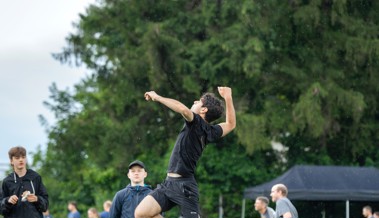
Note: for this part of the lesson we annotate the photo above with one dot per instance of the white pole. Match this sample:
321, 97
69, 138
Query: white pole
220, 209
243, 208
347, 209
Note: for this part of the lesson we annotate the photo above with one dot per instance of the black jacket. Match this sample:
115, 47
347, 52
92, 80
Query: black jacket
126, 200
14, 185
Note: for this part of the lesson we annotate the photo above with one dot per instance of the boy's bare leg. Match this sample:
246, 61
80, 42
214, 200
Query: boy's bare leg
148, 208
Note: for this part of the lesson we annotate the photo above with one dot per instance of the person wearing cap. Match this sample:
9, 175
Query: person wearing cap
126, 200
180, 187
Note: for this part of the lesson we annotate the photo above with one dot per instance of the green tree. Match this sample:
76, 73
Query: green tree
303, 74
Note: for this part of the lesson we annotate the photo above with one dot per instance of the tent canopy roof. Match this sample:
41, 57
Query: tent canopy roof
324, 183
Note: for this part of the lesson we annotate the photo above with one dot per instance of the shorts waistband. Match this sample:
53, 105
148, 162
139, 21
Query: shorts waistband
191, 178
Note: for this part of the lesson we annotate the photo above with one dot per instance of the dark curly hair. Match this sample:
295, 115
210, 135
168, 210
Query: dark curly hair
214, 105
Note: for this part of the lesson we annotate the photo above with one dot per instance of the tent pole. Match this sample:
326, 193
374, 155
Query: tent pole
347, 209
243, 208
220, 209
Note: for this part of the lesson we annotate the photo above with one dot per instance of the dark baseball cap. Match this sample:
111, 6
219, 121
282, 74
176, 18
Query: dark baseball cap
138, 163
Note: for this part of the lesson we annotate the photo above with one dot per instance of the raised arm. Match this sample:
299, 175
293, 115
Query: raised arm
173, 104
230, 121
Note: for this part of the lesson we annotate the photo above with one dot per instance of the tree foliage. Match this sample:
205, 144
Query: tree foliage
303, 73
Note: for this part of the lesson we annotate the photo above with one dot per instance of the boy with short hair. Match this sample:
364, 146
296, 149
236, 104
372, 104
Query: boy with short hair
23, 192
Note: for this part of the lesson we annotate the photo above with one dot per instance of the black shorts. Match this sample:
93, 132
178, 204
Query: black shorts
178, 191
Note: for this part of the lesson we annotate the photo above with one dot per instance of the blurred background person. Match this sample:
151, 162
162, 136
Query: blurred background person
92, 213
284, 207
261, 205
47, 214
107, 207
73, 208
367, 212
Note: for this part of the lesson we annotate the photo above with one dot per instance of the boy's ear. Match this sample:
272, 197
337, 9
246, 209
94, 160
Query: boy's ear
204, 110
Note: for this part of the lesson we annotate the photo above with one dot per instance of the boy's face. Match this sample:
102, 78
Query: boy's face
18, 162
137, 174
275, 194
197, 105
365, 212
258, 205
91, 214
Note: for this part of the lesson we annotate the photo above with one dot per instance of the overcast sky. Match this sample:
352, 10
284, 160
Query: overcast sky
30, 31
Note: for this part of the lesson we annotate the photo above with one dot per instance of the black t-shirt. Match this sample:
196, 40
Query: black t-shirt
190, 144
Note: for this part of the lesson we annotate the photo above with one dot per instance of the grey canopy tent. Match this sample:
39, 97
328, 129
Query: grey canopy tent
324, 183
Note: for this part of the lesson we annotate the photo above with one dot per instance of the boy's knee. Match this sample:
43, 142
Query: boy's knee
141, 213
138, 213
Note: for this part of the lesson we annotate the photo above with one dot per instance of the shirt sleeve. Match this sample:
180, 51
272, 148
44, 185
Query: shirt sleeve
281, 208
4, 196
215, 133
212, 132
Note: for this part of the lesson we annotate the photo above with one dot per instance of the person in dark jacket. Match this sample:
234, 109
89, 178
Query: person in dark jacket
126, 200
23, 193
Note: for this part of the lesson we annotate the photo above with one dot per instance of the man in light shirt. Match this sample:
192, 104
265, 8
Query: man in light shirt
284, 207
367, 212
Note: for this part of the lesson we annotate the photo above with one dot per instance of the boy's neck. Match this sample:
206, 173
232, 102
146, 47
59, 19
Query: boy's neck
135, 184
263, 211
20, 172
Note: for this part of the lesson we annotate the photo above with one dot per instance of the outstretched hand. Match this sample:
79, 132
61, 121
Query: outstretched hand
225, 92
151, 96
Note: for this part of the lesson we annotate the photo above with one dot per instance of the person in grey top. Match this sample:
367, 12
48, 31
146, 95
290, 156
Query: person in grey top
367, 212
284, 207
261, 205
